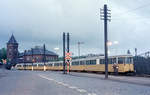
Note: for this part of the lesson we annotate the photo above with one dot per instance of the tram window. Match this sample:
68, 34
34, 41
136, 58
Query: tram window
41, 65
128, 60
92, 62
75, 63
81, 62
110, 61
18, 65
34, 64
29, 65
113, 60
49, 64
102, 61
88, 62
121, 60
61, 64
56, 64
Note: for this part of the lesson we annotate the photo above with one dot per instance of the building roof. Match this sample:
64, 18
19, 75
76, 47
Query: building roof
12, 40
40, 51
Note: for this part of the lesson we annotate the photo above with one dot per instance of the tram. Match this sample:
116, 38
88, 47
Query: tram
119, 63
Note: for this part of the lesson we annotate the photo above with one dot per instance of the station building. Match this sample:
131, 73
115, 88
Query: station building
35, 54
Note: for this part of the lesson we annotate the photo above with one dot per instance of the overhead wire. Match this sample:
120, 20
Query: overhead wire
129, 11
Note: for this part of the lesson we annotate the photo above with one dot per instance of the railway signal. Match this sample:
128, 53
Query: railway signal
66, 56
105, 15
68, 60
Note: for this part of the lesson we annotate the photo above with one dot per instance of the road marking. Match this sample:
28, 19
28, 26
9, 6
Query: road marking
81, 90
92, 94
73, 87
60, 83
45, 77
67, 85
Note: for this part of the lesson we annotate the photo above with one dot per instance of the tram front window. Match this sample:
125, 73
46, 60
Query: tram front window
121, 60
129, 60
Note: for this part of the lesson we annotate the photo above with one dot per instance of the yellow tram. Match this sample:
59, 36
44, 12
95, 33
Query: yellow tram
123, 63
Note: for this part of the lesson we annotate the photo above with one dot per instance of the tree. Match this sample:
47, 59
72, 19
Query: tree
3, 54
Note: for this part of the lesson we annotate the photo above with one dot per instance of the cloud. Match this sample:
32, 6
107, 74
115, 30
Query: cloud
35, 22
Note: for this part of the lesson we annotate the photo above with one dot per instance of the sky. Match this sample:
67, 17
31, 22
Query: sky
35, 22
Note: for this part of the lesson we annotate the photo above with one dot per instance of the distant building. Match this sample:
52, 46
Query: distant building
12, 50
27, 56
36, 54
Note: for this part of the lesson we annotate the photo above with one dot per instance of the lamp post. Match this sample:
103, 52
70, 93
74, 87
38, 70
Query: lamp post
44, 58
64, 51
32, 57
57, 51
110, 43
116, 43
24, 59
79, 43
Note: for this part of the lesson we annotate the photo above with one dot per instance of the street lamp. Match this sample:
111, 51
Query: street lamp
56, 49
116, 42
32, 57
79, 43
44, 50
110, 43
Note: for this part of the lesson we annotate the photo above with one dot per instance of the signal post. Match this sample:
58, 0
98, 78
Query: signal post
68, 61
66, 55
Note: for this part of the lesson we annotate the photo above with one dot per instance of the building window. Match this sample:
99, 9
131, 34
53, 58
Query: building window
10, 54
28, 58
10, 50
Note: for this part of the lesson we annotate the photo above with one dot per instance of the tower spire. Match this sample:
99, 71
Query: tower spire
12, 40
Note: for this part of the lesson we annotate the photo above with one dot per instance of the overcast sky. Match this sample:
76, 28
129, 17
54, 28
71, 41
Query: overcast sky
35, 22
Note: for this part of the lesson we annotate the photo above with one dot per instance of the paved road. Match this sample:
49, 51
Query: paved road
55, 83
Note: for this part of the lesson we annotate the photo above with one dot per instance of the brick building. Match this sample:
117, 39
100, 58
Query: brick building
12, 50
36, 54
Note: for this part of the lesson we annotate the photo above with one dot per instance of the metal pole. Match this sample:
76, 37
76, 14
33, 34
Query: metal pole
32, 58
68, 62
79, 49
64, 53
135, 51
105, 41
24, 60
68, 40
44, 56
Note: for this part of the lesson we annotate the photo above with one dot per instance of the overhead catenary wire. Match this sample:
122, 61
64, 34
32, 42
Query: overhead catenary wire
129, 11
